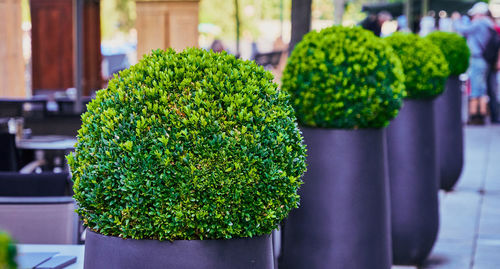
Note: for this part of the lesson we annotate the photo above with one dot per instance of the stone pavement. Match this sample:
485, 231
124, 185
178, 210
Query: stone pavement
469, 236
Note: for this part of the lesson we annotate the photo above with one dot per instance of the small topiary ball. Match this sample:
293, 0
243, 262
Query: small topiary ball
423, 62
455, 50
7, 252
190, 145
344, 77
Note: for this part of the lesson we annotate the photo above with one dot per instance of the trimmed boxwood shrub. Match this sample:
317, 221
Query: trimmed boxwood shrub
189, 145
425, 67
344, 77
454, 48
7, 251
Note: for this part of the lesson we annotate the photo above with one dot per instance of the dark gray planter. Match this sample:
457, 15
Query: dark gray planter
343, 219
449, 133
413, 175
113, 252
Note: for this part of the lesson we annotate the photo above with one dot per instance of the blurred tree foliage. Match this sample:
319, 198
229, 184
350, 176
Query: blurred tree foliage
116, 15
25, 9
322, 10
119, 15
352, 13
221, 13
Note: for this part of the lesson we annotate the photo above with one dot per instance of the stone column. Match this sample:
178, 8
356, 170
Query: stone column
166, 24
11, 51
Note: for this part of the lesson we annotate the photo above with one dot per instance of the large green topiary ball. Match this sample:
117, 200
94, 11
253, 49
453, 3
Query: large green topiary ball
425, 66
454, 48
344, 77
190, 145
7, 251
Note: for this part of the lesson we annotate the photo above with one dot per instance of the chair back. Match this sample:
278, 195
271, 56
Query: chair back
8, 152
14, 184
269, 58
11, 107
39, 220
67, 125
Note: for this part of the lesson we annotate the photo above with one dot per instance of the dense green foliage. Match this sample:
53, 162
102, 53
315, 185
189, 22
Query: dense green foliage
344, 77
425, 66
454, 48
190, 145
7, 252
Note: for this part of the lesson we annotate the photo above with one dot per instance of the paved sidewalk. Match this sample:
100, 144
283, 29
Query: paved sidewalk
469, 236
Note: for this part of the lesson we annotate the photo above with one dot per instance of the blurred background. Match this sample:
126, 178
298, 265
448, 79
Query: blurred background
113, 34
55, 55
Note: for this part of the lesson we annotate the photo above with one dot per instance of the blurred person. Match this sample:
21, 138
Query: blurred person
403, 24
217, 46
428, 23
374, 22
477, 34
279, 45
445, 23
255, 50
416, 24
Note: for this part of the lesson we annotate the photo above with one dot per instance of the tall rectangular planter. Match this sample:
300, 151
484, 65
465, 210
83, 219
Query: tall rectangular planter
343, 219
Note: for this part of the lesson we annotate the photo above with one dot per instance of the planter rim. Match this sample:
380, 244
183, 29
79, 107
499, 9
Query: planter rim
112, 252
341, 129
422, 99
173, 241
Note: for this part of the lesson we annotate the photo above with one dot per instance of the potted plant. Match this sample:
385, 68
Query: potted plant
346, 84
7, 251
413, 170
186, 160
448, 108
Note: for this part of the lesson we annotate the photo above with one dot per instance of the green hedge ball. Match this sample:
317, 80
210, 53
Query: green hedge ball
189, 145
424, 65
455, 50
344, 77
8, 251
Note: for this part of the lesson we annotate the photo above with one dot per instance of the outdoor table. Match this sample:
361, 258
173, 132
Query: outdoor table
58, 146
62, 250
